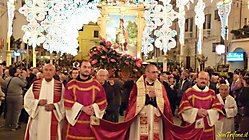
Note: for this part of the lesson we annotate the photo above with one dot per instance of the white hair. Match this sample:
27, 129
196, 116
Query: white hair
102, 71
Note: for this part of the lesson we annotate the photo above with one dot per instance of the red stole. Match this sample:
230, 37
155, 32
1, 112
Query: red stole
57, 97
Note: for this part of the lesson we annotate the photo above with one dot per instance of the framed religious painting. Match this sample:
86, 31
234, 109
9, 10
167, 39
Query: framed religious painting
123, 25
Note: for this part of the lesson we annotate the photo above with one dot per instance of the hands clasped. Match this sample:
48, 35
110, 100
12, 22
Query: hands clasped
202, 113
48, 107
152, 94
88, 110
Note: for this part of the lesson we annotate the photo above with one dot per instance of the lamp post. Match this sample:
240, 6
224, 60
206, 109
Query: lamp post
224, 8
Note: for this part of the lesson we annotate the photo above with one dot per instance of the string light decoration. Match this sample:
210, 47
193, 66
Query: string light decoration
162, 16
224, 8
55, 23
147, 40
199, 20
11, 12
35, 12
181, 17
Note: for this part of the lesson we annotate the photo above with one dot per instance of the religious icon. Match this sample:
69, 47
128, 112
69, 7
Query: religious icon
123, 30
122, 36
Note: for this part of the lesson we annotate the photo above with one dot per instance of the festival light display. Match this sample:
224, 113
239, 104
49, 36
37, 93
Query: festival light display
199, 20
224, 8
162, 16
147, 40
55, 23
181, 17
11, 12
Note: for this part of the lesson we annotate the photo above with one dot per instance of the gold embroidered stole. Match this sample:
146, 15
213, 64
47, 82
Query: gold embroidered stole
144, 111
141, 95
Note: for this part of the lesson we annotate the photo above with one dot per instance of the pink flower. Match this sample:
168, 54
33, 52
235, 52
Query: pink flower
116, 46
126, 62
93, 53
94, 61
138, 64
113, 60
110, 50
102, 39
108, 44
104, 49
103, 56
98, 48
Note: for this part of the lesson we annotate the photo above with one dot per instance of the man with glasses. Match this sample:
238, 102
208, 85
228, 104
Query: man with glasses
84, 97
147, 97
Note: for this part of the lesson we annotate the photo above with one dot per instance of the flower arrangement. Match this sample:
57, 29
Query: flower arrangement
105, 56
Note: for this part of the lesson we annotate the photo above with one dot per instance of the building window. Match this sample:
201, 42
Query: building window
96, 34
191, 24
216, 15
207, 23
186, 25
245, 21
23, 2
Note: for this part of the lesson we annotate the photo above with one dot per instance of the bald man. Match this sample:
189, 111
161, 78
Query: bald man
201, 106
148, 98
44, 104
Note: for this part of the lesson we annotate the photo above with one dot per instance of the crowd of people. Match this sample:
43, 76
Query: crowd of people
216, 102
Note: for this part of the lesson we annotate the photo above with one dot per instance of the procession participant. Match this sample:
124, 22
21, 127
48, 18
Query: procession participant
84, 97
44, 104
201, 106
230, 110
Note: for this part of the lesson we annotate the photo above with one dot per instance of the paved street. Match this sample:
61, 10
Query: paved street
19, 134
11, 135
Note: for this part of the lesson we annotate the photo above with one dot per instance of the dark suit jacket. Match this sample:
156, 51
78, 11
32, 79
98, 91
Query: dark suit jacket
172, 96
109, 90
182, 88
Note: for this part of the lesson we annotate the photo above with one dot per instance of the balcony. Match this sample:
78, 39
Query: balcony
207, 33
189, 35
241, 33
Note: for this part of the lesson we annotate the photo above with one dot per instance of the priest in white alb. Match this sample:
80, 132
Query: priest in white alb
44, 104
226, 125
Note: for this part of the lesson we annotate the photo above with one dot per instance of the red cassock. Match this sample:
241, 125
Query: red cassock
104, 130
195, 99
83, 94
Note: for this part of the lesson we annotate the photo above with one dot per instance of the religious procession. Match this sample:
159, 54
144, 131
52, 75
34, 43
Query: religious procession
124, 70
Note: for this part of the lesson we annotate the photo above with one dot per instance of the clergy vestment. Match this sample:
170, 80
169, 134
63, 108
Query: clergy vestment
145, 119
42, 124
148, 123
79, 93
227, 123
193, 100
